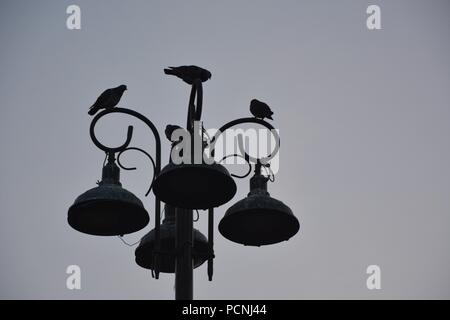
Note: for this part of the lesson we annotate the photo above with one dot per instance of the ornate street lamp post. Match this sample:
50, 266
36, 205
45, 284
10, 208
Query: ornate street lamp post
175, 246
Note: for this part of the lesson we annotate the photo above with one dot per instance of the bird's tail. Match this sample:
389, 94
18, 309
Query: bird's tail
169, 71
93, 110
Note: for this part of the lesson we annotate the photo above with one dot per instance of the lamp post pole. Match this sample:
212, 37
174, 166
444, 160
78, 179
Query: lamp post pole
184, 266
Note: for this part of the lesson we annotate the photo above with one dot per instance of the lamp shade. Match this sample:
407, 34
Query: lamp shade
194, 186
144, 253
108, 209
258, 219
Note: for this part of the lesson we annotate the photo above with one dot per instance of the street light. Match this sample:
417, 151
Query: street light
213, 185
258, 219
175, 246
108, 209
145, 251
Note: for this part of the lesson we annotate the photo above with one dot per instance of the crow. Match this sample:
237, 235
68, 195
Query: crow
170, 128
108, 99
260, 110
189, 73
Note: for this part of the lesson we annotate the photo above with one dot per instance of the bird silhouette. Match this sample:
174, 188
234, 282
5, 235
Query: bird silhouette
170, 128
108, 99
189, 73
260, 109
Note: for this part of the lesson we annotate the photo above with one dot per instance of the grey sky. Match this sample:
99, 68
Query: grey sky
364, 120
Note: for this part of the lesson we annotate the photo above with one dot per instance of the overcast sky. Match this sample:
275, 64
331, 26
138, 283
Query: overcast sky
364, 119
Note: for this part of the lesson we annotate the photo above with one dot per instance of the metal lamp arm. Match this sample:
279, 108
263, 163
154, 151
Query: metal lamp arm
134, 168
195, 104
246, 156
123, 147
129, 134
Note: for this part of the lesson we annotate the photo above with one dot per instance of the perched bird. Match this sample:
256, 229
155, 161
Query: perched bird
170, 128
189, 73
108, 99
260, 109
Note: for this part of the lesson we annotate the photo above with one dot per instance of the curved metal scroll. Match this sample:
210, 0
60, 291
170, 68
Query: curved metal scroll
195, 104
246, 160
129, 134
134, 168
123, 147
264, 160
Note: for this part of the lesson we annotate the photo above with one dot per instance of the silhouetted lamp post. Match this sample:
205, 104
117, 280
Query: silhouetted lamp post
175, 246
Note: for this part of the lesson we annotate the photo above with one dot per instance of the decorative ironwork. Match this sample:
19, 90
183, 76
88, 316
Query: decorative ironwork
178, 222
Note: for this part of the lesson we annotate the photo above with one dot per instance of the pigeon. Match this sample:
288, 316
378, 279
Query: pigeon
260, 109
189, 73
108, 99
170, 128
